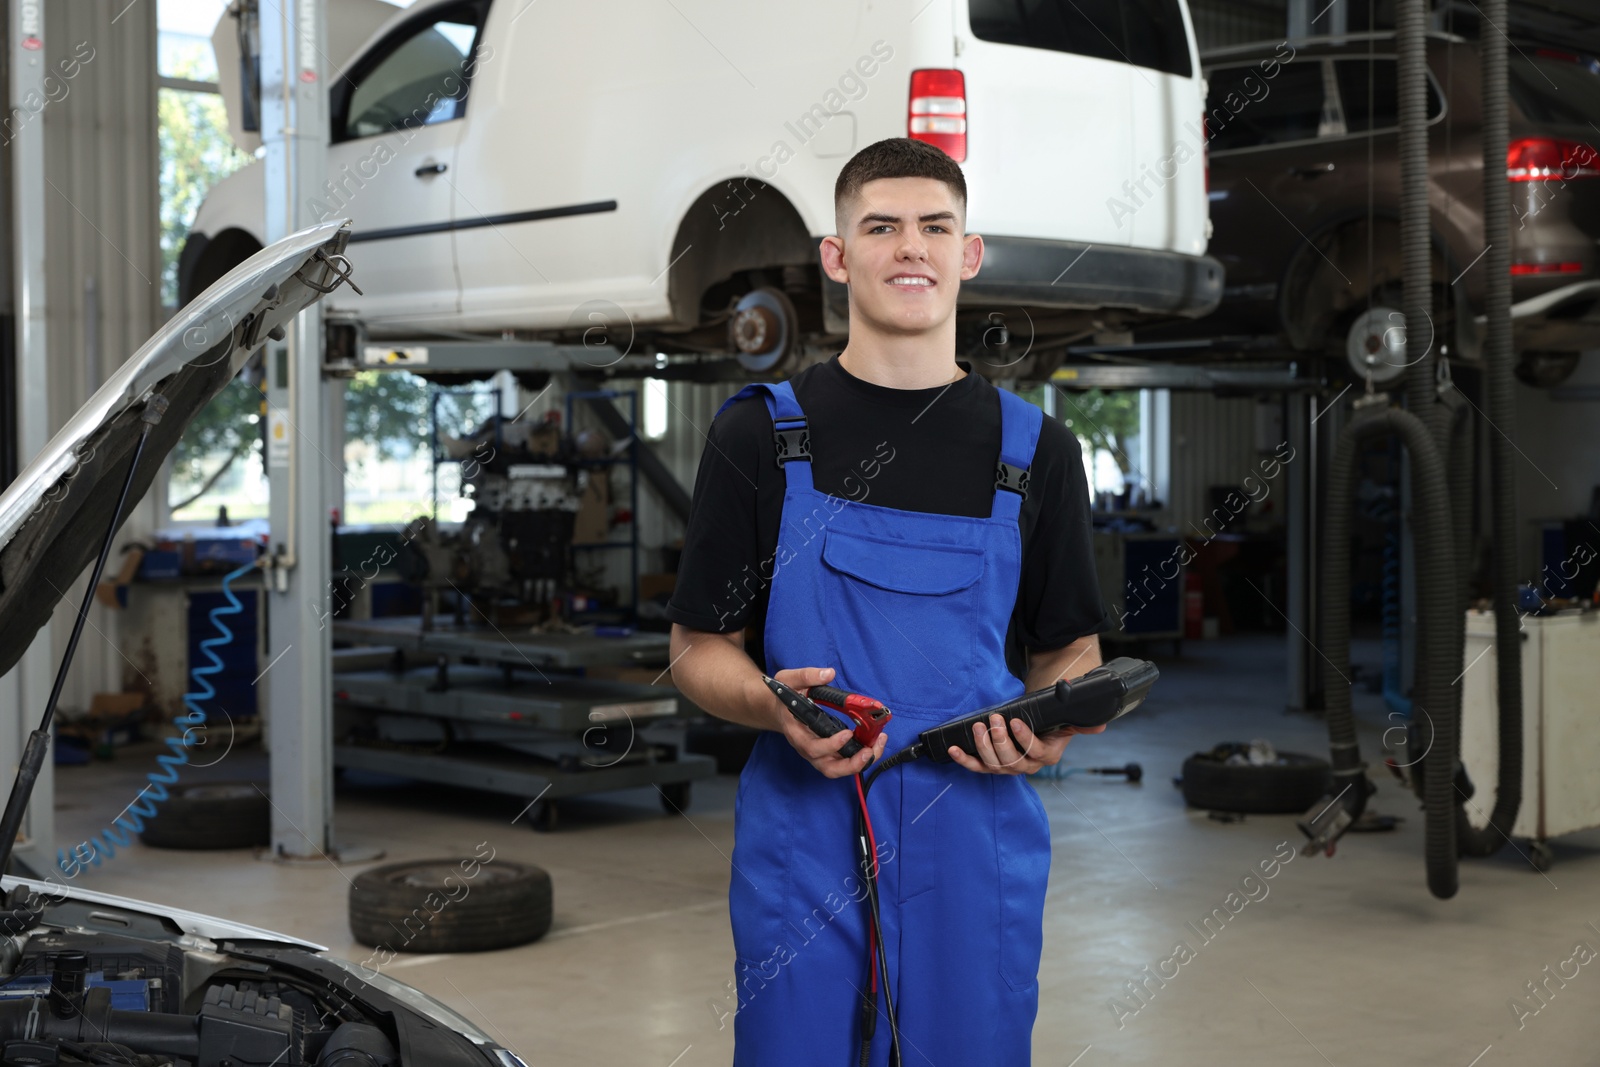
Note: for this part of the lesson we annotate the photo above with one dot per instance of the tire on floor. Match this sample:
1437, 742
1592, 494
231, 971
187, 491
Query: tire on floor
438, 906
210, 815
1289, 786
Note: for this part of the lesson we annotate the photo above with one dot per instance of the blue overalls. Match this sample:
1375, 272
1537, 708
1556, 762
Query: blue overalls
911, 608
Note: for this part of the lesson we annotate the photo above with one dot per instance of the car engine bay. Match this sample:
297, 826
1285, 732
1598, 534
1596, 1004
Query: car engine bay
82, 982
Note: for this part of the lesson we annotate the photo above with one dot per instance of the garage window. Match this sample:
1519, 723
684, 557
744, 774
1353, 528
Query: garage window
1123, 435
1246, 110
196, 151
1377, 107
1306, 99
417, 78
215, 462
1555, 87
1146, 33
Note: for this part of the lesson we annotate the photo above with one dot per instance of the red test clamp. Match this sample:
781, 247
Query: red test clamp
867, 715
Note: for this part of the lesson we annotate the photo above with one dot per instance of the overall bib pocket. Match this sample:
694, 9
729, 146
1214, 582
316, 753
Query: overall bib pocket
908, 614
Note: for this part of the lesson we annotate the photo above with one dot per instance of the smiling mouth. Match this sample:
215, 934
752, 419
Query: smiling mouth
908, 281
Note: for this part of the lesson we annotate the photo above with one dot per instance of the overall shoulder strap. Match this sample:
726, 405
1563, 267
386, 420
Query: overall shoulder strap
1019, 440
791, 437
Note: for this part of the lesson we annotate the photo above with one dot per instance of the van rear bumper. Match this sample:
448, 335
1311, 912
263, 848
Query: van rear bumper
1073, 275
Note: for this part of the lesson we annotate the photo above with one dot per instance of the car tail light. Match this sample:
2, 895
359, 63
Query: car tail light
1547, 159
938, 111
1567, 267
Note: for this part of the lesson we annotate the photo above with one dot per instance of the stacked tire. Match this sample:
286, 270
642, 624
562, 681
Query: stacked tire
210, 815
1289, 785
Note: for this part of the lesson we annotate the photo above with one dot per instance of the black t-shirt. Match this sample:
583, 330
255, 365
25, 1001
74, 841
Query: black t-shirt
929, 450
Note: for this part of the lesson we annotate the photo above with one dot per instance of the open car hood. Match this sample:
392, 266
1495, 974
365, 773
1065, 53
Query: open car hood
188, 922
53, 518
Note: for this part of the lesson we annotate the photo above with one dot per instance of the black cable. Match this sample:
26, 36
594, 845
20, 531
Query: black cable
869, 998
905, 755
870, 870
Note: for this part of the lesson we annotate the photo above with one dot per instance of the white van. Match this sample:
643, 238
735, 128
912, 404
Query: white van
512, 165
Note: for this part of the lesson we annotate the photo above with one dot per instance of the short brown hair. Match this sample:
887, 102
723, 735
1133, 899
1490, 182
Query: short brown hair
898, 157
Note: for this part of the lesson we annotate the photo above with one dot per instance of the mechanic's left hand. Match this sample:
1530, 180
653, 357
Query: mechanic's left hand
999, 754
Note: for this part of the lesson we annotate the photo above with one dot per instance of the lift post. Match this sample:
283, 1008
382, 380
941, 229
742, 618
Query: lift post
302, 463
25, 688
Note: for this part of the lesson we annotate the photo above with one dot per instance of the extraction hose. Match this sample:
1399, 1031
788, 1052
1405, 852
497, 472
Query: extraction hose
1502, 414
1437, 699
1440, 730
1460, 463
1415, 225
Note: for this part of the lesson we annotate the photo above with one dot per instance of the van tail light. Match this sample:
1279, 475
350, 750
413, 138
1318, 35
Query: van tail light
1548, 159
938, 112
1564, 267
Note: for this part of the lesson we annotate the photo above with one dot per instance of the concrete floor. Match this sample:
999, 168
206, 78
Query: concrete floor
1346, 960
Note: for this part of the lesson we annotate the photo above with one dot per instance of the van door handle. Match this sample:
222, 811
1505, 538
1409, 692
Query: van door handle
431, 168
1315, 170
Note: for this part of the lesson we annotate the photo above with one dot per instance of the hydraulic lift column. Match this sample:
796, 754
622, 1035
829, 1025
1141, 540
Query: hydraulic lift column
25, 689
301, 463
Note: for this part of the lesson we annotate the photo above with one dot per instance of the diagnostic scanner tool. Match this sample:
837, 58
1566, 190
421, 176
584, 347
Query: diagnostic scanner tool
866, 716
1105, 693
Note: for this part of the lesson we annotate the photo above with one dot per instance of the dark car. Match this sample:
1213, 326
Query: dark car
1305, 179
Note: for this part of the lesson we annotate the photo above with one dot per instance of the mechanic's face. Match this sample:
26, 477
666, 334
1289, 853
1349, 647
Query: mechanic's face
902, 250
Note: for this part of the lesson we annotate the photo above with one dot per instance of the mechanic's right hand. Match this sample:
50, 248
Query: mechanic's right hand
821, 752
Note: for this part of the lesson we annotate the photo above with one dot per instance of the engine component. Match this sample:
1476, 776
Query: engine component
140, 976
66, 982
240, 1028
232, 1029
358, 1045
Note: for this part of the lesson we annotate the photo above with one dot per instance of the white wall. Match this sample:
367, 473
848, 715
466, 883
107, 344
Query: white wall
1558, 456
1213, 442
103, 252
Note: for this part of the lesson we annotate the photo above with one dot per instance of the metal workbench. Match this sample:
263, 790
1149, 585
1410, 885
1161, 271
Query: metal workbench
510, 721
513, 646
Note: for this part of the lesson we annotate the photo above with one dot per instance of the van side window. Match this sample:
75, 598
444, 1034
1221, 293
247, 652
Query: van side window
417, 78
1146, 33
1383, 99
1244, 109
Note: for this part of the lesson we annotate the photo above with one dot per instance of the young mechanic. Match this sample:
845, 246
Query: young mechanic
885, 556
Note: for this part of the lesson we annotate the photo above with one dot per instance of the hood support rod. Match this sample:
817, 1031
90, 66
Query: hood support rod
38, 747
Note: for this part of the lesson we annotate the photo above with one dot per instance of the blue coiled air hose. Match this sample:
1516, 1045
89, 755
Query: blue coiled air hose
120, 833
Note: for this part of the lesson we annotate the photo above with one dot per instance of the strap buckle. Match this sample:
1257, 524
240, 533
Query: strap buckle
1013, 478
793, 442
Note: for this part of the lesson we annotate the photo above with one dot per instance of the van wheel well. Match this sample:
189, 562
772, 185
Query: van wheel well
1328, 285
741, 226
204, 260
